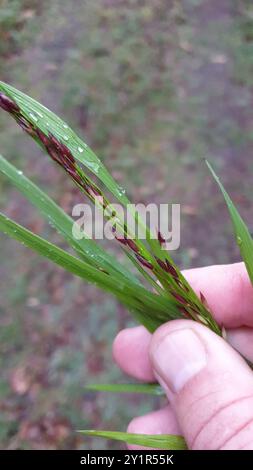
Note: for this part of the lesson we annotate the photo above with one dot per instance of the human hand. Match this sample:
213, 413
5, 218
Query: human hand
208, 384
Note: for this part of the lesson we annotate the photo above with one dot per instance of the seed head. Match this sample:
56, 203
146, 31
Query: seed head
161, 239
43, 137
121, 239
171, 269
66, 152
25, 125
94, 192
182, 285
162, 264
54, 154
8, 104
62, 148
75, 176
179, 298
66, 163
132, 245
184, 312
54, 142
144, 262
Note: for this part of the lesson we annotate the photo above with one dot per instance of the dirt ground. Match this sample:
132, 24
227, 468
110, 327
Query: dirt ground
154, 87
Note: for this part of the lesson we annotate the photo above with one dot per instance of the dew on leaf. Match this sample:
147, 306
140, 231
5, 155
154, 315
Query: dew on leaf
20, 172
39, 114
80, 149
238, 240
65, 137
33, 117
122, 191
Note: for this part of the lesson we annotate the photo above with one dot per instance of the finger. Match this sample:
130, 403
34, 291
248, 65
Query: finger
130, 352
209, 385
230, 296
157, 422
242, 340
228, 291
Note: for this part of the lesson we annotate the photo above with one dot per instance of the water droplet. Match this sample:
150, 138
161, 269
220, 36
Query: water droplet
65, 137
39, 114
20, 172
33, 117
47, 123
80, 149
122, 191
238, 240
65, 126
85, 145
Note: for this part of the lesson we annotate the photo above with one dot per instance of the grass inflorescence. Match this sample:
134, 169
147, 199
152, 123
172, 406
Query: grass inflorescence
168, 294
150, 256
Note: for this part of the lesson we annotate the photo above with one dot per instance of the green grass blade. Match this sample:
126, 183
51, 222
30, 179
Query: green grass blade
54, 253
45, 127
147, 389
161, 441
152, 281
47, 121
88, 249
149, 309
242, 234
42, 119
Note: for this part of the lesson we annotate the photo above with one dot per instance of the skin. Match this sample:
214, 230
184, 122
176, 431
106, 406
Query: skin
208, 384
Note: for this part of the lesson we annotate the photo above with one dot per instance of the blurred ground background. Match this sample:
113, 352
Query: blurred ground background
153, 86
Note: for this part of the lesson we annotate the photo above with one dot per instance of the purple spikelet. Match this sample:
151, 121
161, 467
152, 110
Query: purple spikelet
25, 125
121, 240
74, 175
167, 267
183, 286
56, 149
60, 147
8, 104
94, 192
43, 137
132, 245
171, 269
54, 142
179, 298
144, 262
161, 239
184, 312
162, 264
54, 155
60, 154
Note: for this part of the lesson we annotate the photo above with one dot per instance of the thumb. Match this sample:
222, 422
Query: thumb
209, 385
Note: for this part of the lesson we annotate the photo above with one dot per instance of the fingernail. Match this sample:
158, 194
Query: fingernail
178, 357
